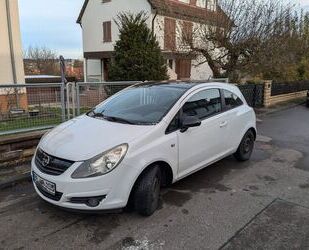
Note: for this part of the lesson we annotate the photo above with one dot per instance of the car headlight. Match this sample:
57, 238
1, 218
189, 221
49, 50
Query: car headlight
101, 164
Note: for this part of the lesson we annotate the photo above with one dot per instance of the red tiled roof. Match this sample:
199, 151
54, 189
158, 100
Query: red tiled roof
173, 8
185, 11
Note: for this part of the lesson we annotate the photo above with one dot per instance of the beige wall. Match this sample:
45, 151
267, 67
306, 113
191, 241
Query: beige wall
6, 71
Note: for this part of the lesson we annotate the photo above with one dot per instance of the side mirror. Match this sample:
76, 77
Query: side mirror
190, 122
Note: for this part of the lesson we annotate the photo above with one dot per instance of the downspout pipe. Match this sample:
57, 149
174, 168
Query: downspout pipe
12, 52
153, 21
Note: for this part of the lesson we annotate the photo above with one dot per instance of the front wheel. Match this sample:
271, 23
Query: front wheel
245, 148
147, 193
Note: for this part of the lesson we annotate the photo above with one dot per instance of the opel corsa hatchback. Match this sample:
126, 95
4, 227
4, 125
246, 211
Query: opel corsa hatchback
139, 140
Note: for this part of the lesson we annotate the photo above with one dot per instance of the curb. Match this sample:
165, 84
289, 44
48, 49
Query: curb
15, 180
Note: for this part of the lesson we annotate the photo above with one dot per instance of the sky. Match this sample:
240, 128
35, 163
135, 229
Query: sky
52, 24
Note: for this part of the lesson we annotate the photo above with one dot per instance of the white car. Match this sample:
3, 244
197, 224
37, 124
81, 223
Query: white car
143, 138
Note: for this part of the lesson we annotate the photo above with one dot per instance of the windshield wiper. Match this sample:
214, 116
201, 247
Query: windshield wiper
117, 119
93, 114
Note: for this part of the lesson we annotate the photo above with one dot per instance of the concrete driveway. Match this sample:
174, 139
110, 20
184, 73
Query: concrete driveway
261, 204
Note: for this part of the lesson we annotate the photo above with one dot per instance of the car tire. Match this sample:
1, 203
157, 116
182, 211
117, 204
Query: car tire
147, 192
245, 148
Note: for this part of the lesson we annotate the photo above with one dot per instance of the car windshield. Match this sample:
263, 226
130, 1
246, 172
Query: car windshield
140, 105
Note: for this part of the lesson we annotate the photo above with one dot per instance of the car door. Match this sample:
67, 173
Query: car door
235, 116
200, 146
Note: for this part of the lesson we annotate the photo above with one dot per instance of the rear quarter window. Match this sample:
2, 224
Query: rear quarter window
231, 100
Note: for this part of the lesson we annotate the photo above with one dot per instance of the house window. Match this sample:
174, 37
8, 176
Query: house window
169, 34
170, 63
211, 5
107, 31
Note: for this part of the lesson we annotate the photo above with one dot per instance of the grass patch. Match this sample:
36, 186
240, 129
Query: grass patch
47, 116
28, 122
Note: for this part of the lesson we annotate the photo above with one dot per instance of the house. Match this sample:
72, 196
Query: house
169, 20
11, 59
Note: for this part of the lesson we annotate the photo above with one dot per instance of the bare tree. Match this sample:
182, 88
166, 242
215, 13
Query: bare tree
233, 36
285, 55
41, 60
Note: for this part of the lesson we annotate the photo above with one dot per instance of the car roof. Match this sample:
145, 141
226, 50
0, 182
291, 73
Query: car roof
187, 85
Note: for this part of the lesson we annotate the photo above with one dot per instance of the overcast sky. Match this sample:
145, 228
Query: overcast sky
53, 24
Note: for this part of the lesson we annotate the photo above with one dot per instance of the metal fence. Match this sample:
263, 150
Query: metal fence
25, 107
28, 107
289, 87
254, 94
90, 94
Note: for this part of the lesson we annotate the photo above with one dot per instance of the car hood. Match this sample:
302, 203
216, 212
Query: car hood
84, 137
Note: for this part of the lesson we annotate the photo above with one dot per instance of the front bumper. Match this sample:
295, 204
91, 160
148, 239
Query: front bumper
114, 194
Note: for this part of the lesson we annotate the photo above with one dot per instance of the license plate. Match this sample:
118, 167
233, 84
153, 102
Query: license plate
46, 185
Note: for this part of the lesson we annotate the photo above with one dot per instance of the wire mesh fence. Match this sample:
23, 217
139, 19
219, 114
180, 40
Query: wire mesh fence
90, 94
253, 93
29, 107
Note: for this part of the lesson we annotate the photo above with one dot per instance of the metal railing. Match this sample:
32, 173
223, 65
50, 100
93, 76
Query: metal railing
289, 87
90, 94
253, 93
26, 107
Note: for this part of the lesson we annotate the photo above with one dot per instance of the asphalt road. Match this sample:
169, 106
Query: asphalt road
261, 204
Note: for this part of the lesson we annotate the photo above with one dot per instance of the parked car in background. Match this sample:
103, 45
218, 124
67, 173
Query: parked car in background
143, 138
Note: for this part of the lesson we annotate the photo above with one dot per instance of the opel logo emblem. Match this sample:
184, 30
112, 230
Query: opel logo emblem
45, 160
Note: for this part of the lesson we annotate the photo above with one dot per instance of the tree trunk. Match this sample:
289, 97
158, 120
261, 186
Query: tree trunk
212, 64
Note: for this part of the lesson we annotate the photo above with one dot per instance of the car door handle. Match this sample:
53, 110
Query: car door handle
223, 124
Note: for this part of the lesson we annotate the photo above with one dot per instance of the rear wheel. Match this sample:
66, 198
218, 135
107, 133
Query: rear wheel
147, 192
245, 148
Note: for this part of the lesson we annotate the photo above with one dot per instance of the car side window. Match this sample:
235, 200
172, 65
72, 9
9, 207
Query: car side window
231, 100
204, 104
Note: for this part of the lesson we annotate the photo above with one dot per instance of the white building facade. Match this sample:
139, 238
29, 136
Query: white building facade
167, 18
11, 58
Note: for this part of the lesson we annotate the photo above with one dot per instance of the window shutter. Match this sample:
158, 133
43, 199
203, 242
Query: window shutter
193, 2
169, 34
107, 31
187, 30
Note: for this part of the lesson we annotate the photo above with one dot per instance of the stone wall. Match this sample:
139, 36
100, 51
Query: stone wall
270, 100
19, 148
